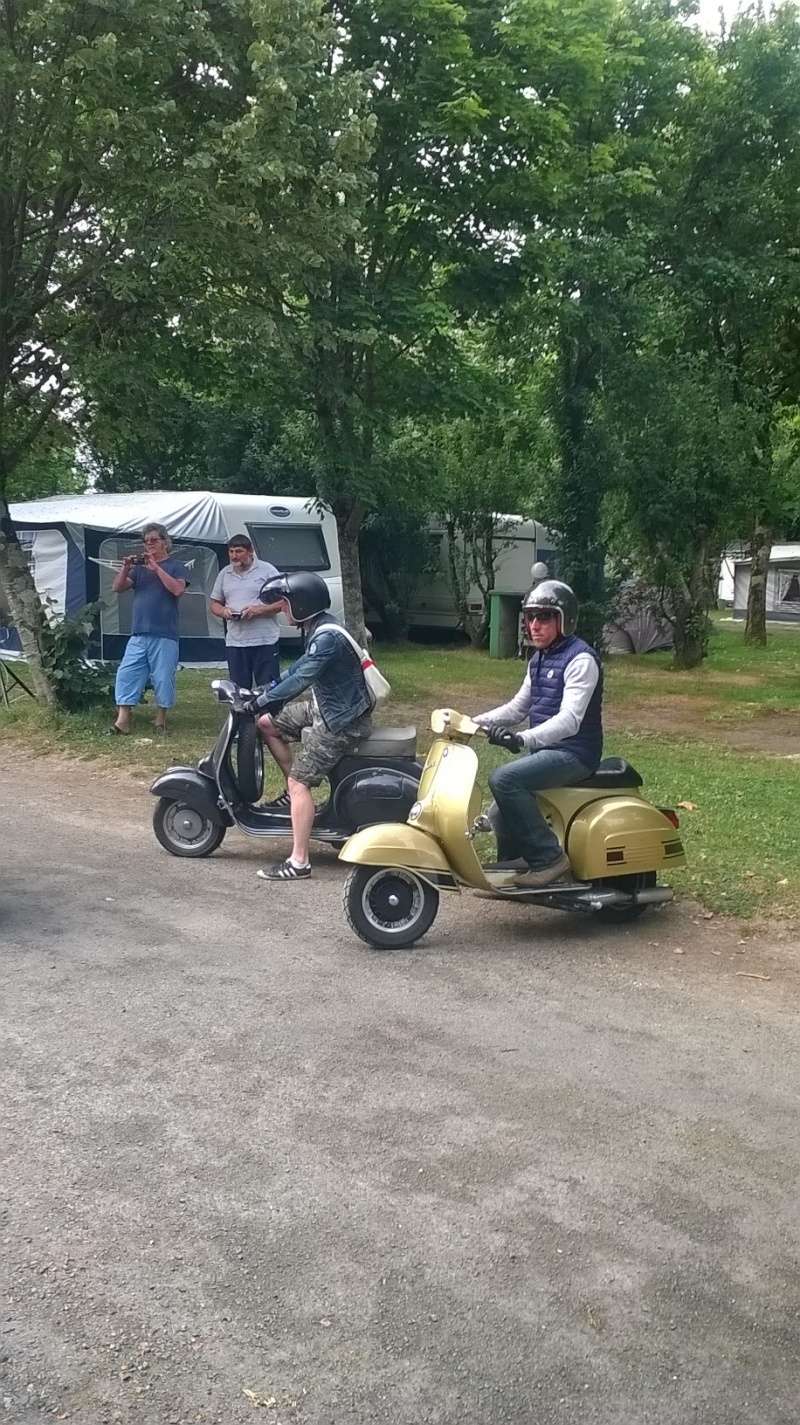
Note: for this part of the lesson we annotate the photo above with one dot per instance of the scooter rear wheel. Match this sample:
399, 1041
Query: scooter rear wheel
183, 831
388, 906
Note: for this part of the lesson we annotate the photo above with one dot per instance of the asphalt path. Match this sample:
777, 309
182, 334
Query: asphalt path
534, 1170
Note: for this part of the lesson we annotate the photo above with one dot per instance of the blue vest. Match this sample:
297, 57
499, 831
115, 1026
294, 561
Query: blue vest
546, 670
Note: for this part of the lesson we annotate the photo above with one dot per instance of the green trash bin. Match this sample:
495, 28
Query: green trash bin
504, 624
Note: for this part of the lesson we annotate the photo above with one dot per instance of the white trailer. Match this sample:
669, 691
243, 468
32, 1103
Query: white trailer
520, 542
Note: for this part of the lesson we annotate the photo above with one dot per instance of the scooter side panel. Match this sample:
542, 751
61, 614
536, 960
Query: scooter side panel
395, 844
622, 836
186, 784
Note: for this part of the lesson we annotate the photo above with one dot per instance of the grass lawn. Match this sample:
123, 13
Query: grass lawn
741, 833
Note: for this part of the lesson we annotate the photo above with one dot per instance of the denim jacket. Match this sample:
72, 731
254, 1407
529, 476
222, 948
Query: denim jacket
330, 667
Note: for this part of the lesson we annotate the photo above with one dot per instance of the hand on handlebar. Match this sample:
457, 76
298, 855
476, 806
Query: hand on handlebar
505, 737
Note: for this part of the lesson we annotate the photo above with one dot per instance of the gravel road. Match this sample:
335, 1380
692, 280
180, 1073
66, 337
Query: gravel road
533, 1171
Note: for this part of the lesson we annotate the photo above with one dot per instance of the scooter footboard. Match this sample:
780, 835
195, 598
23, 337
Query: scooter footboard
187, 785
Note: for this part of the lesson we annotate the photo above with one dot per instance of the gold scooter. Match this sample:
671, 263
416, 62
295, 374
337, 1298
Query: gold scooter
616, 843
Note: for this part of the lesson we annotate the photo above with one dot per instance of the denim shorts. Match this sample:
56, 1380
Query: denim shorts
147, 659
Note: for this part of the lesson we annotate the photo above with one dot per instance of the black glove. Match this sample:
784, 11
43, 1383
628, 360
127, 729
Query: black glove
506, 737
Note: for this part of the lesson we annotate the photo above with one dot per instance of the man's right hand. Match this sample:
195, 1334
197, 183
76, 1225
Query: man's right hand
506, 737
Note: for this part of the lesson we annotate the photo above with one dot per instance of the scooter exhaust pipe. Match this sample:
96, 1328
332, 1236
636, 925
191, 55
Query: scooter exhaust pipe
599, 900
654, 895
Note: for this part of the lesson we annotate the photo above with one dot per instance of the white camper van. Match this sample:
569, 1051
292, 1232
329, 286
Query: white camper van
74, 542
521, 543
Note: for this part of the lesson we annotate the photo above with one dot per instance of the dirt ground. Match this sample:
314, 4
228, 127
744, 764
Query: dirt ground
536, 1171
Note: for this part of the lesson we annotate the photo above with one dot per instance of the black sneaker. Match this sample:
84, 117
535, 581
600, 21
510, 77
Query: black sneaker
285, 871
282, 803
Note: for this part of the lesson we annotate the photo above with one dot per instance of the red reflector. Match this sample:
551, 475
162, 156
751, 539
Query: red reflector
672, 816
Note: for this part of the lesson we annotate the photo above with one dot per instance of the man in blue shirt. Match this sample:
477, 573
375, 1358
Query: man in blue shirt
152, 650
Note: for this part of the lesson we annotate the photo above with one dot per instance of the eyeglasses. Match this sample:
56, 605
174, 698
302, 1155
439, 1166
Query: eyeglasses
152, 539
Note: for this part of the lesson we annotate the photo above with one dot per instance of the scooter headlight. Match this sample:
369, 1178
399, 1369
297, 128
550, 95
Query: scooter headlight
415, 812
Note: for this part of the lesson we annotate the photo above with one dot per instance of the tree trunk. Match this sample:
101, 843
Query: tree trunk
755, 629
690, 641
581, 483
349, 518
16, 582
688, 597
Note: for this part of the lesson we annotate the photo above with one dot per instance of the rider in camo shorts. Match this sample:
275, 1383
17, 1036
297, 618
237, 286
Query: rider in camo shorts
327, 724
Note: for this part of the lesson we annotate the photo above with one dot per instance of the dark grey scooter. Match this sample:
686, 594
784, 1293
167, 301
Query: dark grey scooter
375, 783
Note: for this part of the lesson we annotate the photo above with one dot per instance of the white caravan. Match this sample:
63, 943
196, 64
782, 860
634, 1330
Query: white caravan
74, 541
520, 542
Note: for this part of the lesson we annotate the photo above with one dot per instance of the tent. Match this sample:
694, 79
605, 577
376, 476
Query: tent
783, 584
75, 542
639, 626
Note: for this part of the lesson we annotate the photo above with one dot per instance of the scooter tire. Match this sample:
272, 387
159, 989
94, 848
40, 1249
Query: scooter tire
201, 837
368, 895
249, 763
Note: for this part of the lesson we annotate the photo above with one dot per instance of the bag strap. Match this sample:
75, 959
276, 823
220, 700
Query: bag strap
337, 628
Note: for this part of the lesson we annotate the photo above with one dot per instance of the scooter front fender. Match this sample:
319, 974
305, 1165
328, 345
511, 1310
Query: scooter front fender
186, 784
396, 844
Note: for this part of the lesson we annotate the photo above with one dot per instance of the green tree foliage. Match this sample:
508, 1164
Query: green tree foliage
133, 135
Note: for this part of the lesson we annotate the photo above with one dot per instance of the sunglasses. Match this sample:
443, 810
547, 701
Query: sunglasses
541, 615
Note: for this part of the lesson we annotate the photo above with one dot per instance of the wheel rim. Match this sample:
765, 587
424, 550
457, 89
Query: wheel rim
392, 900
186, 827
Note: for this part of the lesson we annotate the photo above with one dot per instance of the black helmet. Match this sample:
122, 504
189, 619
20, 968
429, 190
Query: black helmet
552, 594
306, 594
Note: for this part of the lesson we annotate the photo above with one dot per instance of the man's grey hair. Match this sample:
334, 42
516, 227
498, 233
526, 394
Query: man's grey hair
158, 529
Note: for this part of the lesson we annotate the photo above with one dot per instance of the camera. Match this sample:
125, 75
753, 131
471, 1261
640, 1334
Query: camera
137, 558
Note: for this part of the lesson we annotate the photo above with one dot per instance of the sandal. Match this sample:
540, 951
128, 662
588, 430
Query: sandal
285, 871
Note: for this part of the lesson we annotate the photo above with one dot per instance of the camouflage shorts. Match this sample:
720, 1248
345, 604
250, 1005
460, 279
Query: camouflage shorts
320, 749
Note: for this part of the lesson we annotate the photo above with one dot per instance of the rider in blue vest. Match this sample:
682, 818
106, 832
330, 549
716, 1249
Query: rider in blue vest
560, 699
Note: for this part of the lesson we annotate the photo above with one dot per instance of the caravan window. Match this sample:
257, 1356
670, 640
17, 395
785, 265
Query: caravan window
291, 547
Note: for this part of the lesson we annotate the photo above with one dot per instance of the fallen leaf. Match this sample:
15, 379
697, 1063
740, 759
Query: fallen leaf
708, 915
268, 1401
784, 882
746, 975
688, 806
678, 952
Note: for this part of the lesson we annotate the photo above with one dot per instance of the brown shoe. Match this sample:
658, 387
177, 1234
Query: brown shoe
541, 876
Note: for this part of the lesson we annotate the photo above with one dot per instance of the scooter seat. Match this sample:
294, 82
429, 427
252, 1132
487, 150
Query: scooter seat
613, 772
388, 742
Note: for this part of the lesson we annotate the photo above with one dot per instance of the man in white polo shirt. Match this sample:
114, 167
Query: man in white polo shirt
251, 638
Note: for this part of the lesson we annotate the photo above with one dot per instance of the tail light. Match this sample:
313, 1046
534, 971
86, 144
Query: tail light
672, 816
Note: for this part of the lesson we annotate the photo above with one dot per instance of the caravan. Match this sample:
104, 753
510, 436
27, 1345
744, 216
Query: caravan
521, 543
75, 544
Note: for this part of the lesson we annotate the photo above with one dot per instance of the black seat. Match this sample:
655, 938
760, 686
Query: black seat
613, 772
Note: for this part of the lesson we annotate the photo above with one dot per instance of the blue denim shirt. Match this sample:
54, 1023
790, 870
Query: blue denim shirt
331, 668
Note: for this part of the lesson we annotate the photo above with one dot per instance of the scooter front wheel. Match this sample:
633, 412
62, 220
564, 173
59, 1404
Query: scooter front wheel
388, 906
183, 831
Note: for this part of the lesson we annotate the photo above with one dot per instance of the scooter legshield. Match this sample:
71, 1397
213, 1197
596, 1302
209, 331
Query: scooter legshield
395, 844
185, 784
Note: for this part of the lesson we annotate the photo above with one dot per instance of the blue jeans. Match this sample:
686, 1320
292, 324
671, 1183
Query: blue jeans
522, 830
147, 657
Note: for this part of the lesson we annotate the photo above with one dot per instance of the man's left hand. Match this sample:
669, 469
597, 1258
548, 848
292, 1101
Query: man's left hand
506, 737
252, 611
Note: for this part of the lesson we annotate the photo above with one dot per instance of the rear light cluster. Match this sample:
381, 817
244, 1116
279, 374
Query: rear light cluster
672, 816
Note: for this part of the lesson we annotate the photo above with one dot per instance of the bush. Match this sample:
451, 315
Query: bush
78, 683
